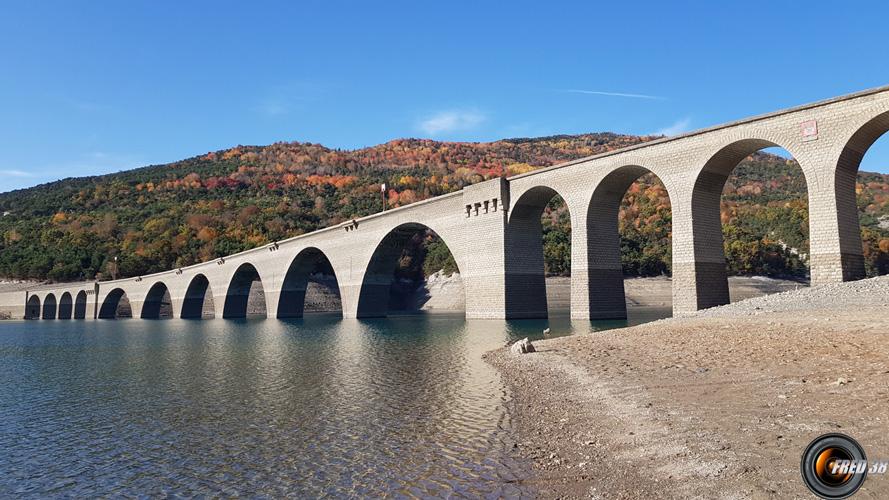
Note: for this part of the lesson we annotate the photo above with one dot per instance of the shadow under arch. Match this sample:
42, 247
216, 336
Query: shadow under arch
196, 299
66, 306
116, 305
158, 303
309, 264
525, 284
374, 297
845, 183
80, 305
49, 307
607, 297
709, 265
237, 297
32, 307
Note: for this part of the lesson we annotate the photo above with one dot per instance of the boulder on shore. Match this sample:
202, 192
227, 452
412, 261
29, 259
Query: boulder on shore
523, 346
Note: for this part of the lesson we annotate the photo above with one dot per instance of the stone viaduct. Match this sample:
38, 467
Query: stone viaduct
493, 230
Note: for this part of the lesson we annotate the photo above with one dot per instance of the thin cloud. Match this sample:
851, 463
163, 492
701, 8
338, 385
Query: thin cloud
445, 122
615, 94
284, 99
16, 173
272, 108
680, 127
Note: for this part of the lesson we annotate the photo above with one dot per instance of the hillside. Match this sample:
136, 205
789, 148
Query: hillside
165, 216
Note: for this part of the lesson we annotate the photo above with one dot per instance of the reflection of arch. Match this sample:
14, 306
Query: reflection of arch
49, 307
711, 277
845, 178
80, 305
157, 302
197, 295
293, 290
32, 308
238, 295
65, 306
116, 305
525, 273
606, 280
373, 300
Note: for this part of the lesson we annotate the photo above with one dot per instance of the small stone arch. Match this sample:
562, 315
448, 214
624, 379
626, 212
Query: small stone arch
607, 299
307, 263
49, 307
374, 296
80, 305
158, 303
237, 299
32, 307
525, 272
116, 305
66, 306
198, 301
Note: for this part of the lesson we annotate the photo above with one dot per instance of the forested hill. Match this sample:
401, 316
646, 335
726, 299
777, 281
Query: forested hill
159, 217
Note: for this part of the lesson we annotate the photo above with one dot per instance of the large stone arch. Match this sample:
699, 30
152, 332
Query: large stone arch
607, 299
711, 277
238, 294
157, 302
32, 307
80, 305
197, 293
66, 306
850, 261
291, 302
116, 305
525, 280
373, 298
855, 147
49, 307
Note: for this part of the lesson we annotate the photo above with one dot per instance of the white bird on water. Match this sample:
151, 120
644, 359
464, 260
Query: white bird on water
546, 332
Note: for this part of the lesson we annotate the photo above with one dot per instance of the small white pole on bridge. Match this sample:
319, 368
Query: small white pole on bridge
383, 194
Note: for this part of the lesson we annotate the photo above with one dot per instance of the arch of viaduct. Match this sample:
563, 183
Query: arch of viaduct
493, 230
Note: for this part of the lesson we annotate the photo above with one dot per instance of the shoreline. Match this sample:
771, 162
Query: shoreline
718, 405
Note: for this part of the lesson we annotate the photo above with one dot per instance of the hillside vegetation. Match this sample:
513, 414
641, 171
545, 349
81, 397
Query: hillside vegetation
173, 215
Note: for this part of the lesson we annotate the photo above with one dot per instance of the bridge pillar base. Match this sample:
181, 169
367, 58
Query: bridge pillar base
836, 268
605, 297
699, 285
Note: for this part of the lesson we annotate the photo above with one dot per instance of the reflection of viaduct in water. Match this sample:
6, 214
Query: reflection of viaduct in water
493, 229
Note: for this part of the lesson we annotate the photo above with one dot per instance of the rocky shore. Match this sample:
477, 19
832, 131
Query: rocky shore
718, 405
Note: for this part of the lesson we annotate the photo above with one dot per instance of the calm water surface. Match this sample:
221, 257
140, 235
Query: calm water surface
399, 406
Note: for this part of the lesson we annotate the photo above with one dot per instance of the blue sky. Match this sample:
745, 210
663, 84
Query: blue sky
95, 87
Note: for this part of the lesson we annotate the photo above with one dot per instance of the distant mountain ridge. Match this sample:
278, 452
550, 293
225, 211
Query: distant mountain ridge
163, 216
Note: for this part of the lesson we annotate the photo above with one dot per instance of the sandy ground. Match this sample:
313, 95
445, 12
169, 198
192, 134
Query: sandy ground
720, 405
17, 285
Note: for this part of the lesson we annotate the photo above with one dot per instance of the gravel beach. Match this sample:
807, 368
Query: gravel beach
717, 405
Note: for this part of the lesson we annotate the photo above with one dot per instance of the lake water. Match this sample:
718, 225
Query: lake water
397, 406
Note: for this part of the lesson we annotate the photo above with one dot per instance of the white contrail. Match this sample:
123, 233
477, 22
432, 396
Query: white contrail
614, 94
